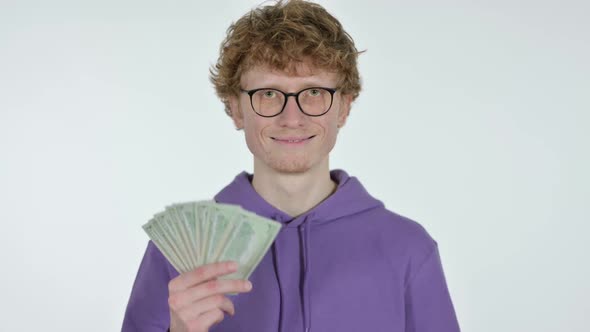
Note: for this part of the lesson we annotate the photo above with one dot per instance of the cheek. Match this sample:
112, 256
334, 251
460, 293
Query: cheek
330, 126
253, 132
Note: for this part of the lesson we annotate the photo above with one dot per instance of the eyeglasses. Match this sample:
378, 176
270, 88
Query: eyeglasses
314, 101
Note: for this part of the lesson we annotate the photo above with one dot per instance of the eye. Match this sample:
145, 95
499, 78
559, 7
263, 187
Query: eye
269, 94
314, 92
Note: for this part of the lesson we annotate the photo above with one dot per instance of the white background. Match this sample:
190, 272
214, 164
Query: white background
474, 121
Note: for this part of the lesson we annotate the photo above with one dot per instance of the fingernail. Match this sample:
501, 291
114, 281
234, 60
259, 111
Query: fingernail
248, 285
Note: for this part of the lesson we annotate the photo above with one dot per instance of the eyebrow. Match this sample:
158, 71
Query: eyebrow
302, 87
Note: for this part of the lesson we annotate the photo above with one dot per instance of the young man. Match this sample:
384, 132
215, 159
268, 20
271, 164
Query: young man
287, 74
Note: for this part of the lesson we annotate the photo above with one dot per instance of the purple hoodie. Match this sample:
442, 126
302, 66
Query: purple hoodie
348, 264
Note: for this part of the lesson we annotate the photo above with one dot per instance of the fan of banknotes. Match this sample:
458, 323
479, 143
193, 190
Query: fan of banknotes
195, 233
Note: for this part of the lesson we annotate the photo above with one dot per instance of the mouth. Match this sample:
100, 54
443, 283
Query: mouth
292, 140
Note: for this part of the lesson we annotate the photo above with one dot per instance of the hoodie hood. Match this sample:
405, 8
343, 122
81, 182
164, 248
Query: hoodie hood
349, 198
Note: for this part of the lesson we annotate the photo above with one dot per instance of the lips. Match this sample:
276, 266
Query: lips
292, 139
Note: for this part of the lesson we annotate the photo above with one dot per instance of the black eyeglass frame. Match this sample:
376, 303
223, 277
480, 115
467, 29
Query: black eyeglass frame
332, 91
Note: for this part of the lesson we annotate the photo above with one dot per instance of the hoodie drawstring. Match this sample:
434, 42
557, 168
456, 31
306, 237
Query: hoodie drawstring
276, 266
303, 228
304, 239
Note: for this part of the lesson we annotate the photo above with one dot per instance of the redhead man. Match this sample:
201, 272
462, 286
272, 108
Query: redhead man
287, 75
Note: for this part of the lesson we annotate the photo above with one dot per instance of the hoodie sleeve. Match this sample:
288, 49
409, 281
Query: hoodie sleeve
428, 303
147, 309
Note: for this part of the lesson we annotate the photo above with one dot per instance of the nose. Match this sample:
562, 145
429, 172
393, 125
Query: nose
291, 115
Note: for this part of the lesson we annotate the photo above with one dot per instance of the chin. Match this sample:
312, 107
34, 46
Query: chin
290, 166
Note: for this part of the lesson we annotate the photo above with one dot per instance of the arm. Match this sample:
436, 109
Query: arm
428, 303
147, 309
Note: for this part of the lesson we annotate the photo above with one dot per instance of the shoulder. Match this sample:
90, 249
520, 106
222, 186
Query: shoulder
406, 242
399, 228
156, 263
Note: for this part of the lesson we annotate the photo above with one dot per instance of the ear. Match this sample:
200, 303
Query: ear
345, 104
235, 112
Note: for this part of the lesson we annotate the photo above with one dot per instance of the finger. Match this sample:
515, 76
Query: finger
200, 275
197, 309
184, 298
220, 286
206, 320
228, 306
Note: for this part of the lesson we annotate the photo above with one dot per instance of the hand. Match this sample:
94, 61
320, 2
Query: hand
196, 297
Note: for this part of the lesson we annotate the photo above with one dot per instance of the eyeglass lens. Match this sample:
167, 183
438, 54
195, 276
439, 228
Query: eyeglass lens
313, 101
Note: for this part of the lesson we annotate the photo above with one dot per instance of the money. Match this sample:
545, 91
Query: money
191, 234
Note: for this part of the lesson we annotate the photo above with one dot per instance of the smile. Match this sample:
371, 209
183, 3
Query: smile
293, 140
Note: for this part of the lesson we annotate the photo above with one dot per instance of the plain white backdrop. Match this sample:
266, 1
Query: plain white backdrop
474, 120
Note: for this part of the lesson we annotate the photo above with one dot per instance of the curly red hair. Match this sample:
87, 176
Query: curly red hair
280, 36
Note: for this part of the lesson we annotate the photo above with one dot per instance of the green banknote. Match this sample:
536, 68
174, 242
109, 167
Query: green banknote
191, 234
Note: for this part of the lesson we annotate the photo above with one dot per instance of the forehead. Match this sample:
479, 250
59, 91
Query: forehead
299, 76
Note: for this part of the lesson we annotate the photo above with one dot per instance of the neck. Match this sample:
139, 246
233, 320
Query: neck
293, 193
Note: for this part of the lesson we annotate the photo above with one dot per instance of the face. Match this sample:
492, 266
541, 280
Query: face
290, 142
